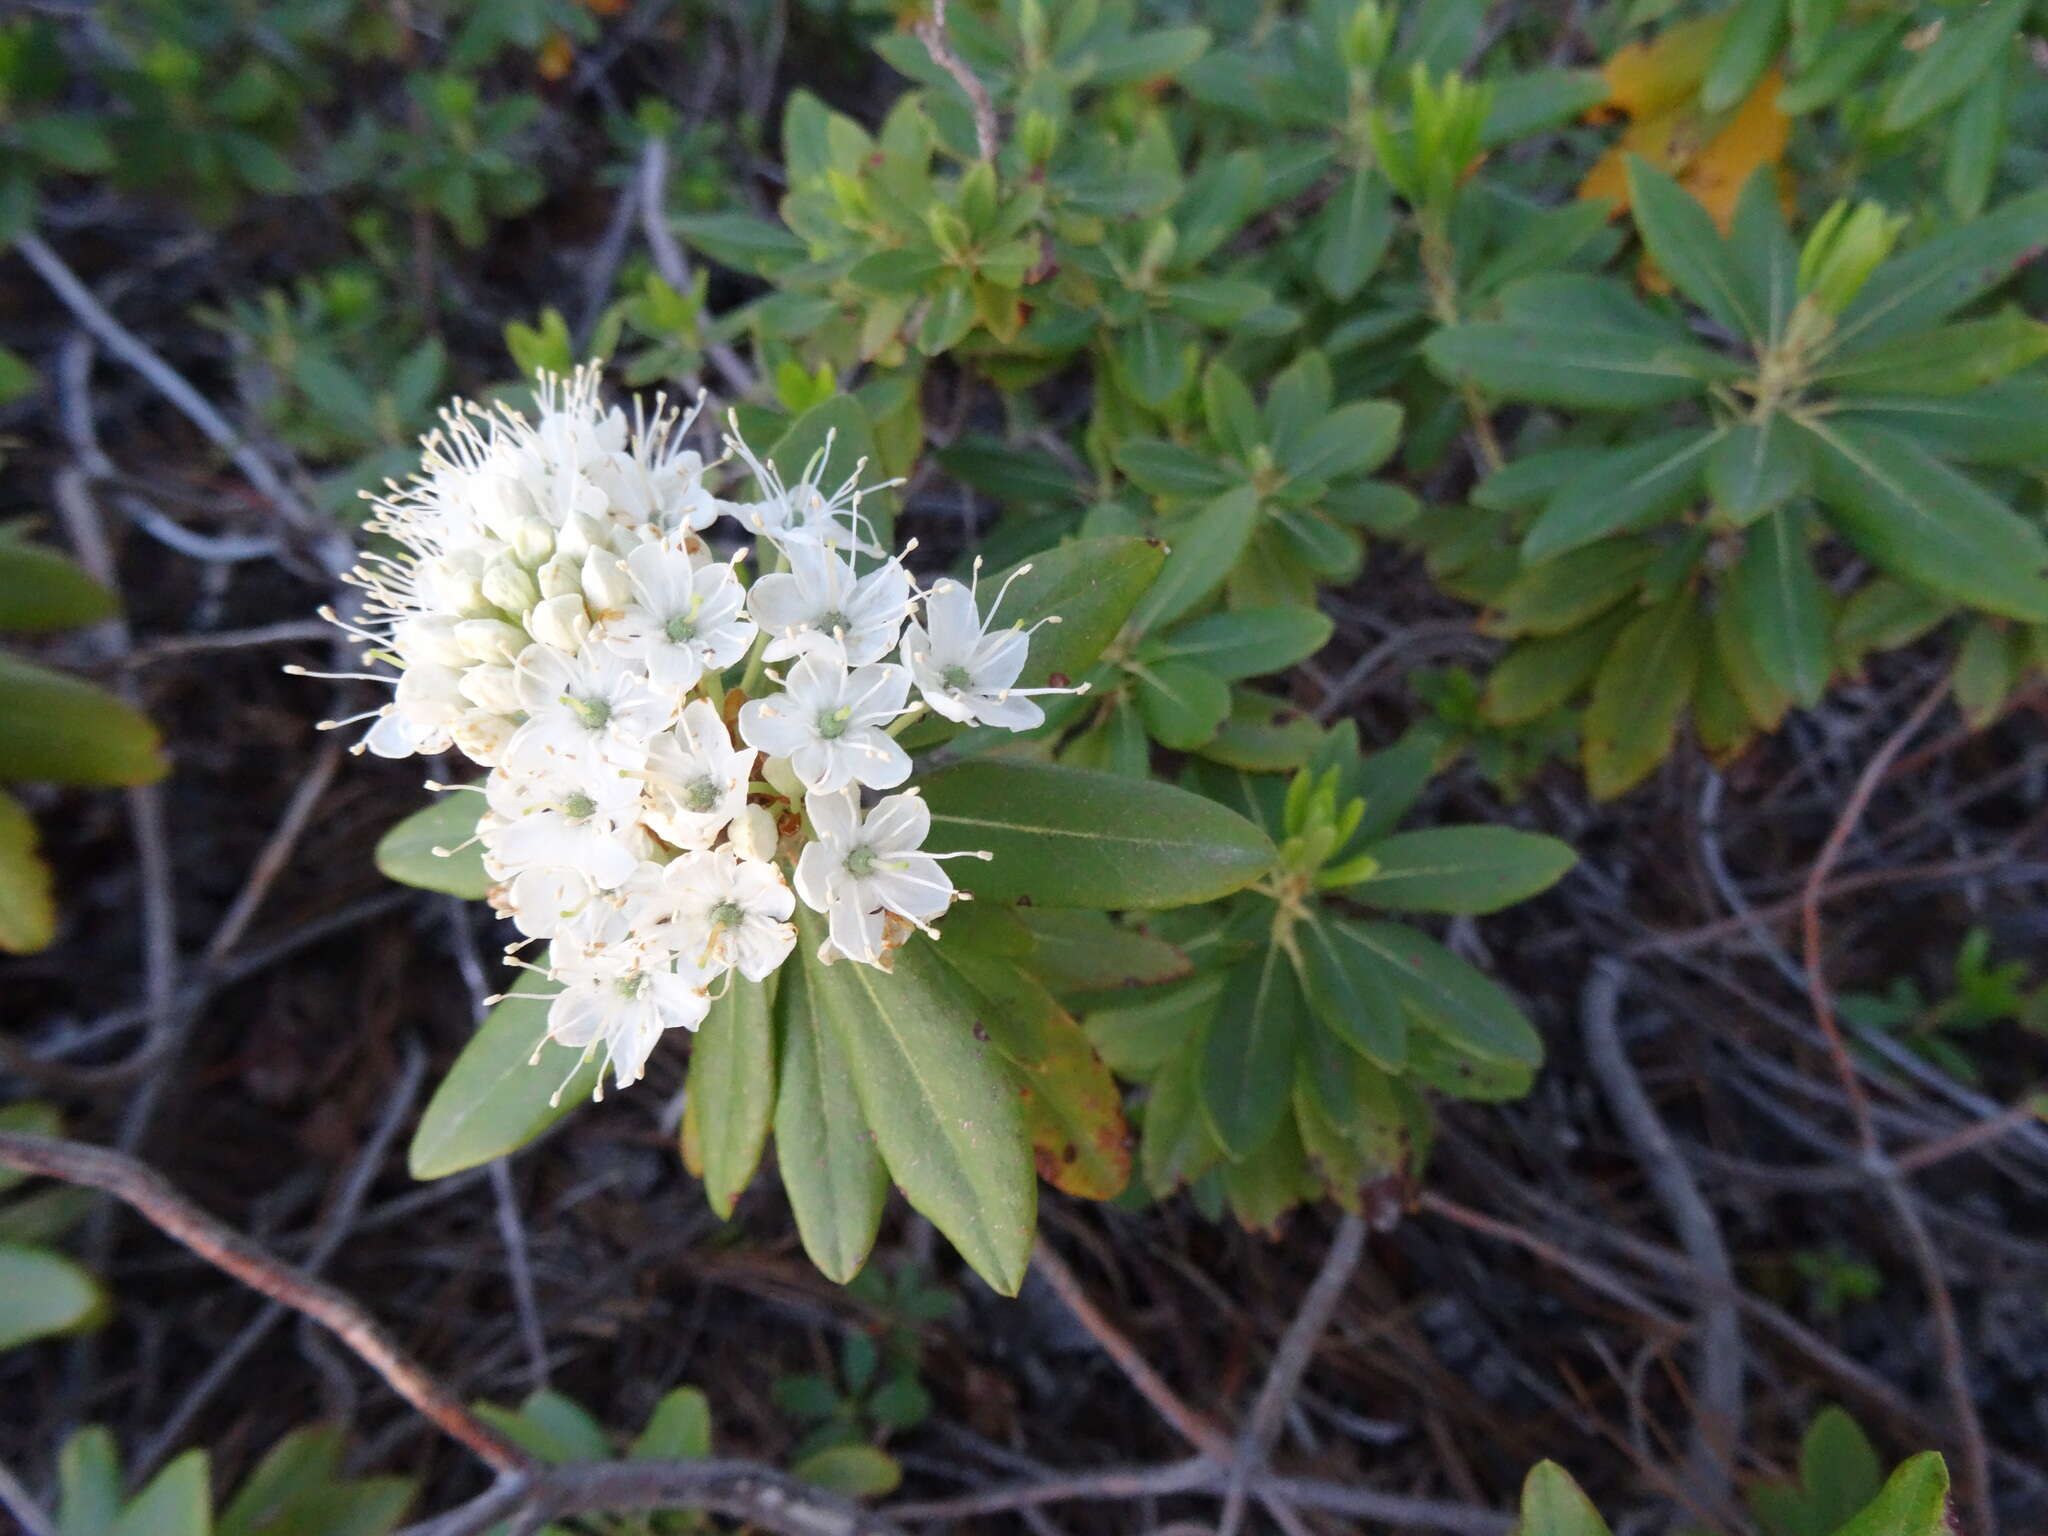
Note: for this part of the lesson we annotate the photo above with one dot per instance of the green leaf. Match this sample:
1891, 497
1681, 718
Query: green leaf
298, 1490
1639, 694
1296, 400
1079, 951
1764, 251
1156, 55
1987, 667
1913, 291
947, 318
1541, 674
176, 1502
551, 1426
1559, 595
1553, 1505
1066, 837
43, 1293
1354, 439
1783, 608
679, 1429
853, 1471
2000, 425
1976, 140
406, 853
1622, 490
1447, 997
941, 1105
1245, 642
1351, 990
62, 730
834, 1177
1682, 240
1248, 1054
1093, 585
1262, 734
732, 1088
496, 1098
1201, 549
1966, 49
1913, 1502
1947, 360
1153, 359
1756, 467
1356, 228
1182, 703
89, 1481
1914, 516
1169, 469
41, 590
743, 242
1460, 869
70, 141
1839, 1473
28, 908
1748, 45
1571, 365
1177, 1147
1228, 409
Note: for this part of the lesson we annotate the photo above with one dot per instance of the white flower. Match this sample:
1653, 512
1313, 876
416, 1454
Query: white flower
654, 479
555, 820
584, 713
696, 779
857, 871
681, 620
620, 990
819, 604
805, 513
962, 669
729, 912
828, 723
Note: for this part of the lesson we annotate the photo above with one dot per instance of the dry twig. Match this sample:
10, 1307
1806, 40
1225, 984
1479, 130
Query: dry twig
931, 31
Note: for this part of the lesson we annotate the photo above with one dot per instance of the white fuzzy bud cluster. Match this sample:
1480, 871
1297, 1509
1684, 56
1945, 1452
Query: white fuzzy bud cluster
554, 614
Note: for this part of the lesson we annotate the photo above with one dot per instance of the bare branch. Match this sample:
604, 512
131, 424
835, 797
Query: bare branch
152, 1196
931, 31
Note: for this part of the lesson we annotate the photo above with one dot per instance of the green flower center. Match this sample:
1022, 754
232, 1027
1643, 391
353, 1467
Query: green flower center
727, 914
578, 806
832, 723
592, 712
833, 622
957, 677
680, 628
700, 795
632, 984
860, 862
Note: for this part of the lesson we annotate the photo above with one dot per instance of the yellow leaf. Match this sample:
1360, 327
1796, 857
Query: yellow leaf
1649, 78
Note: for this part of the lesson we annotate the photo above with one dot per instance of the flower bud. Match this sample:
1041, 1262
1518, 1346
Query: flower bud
1038, 135
605, 587
580, 535
429, 637
1367, 37
643, 845
489, 640
429, 695
491, 687
454, 583
482, 737
502, 504
1846, 246
561, 576
506, 585
782, 779
561, 622
532, 540
752, 834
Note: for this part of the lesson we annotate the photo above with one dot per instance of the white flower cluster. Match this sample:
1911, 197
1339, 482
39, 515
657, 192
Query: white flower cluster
553, 613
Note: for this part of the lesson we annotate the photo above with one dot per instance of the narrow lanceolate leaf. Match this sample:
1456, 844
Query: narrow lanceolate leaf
1177, 1147
732, 1088
497, 1097
941, 1103
1559, 595
28, 912
1781, 605
1461, 869
1448, 998
1351, 990
1917, 518
1953, 359
1639, 694
63, 730
1756, 467
1911, 292
1089, 952
1066, 837
2000, 425
1622, 490
1248, 1059
1201, 549
1967, 48
1573, 364
1246, 642
1538, 675
42, 1293
406, 853
1554, 1505
1073, 1110
834, 1177
1357, 224
1688, 249
42, 590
